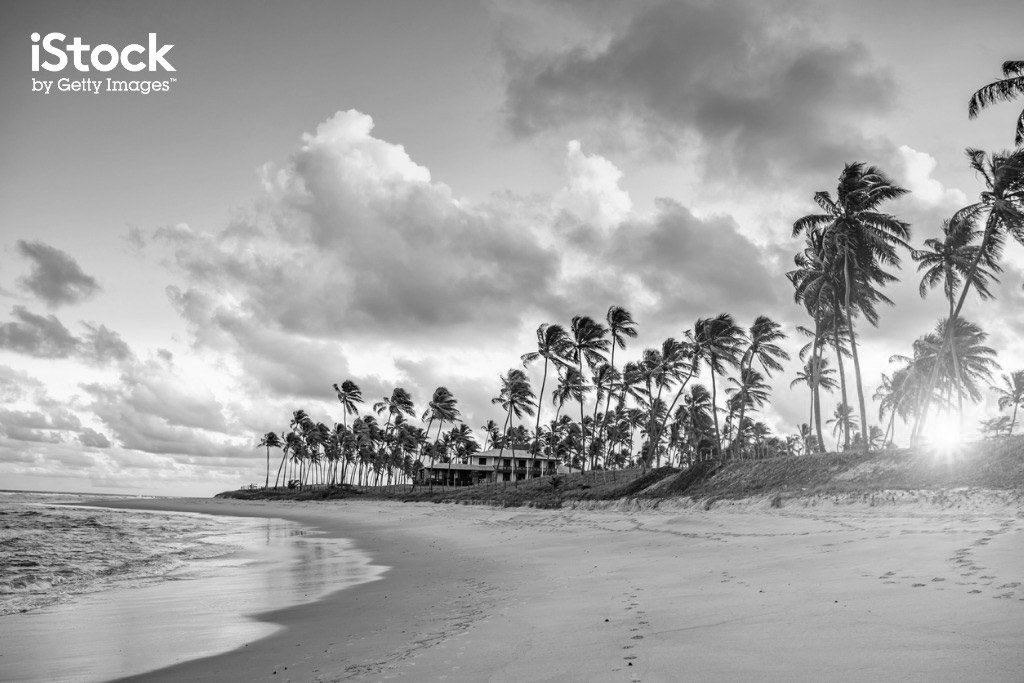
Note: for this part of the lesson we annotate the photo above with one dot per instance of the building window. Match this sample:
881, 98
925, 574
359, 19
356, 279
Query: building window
483, 461
508, 462
522, 463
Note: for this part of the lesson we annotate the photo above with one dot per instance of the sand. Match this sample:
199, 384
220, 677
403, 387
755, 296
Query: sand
908, 592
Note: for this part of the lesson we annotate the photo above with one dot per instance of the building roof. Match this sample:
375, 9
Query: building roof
510, 453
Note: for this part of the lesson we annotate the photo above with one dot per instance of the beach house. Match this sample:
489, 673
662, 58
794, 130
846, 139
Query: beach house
489, 466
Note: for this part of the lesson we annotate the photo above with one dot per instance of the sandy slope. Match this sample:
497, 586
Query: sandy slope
827, 592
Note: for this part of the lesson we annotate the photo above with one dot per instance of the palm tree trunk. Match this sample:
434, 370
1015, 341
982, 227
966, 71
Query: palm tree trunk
607, 403
536, 429
284, 457
842, 371
816, 382
583, 429
714, 408
1014, 420
856, 361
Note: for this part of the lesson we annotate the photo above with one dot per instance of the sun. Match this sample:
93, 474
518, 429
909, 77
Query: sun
944, 436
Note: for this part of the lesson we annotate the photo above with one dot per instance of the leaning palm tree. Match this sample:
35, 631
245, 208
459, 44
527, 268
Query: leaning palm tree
858, 238
717, 342
442, 408
1002, 205
349, 395
1011, 394
553, 346
269, 440
1011, 85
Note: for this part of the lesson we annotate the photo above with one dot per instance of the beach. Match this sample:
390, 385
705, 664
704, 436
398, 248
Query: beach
830, 590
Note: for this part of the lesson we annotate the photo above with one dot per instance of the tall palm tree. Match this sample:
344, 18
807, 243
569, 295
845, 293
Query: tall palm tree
674, 363
349, 395
398, 404
717, 342
553, 346
269, 440
442, 408
589, 343
621, 326
859, 238
1002, 205
749, 391
1011, 394
516, 397
947, 261
817, 376
1003, 90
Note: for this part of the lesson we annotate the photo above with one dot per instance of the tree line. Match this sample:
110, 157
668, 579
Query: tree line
653, 409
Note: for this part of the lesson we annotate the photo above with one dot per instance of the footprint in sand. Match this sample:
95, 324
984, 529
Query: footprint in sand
919, 585
937, 578
974, 591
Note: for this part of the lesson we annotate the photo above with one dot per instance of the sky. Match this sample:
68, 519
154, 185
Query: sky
399, 193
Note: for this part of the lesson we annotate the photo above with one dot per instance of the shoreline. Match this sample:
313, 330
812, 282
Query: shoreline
238, 567
479, 593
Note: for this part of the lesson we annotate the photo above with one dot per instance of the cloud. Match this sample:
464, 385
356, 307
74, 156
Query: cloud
56, 277
917, 169
36, 335
38, 425
751, 87
47, 337
593, 194
90, 438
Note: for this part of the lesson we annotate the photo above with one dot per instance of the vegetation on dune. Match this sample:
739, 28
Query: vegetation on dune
652, 411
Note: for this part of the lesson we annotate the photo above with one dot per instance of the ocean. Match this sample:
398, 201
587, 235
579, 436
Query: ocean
75, 580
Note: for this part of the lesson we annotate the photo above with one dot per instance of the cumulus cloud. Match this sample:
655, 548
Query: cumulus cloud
593, 195
56, 277
917, 168
727, 78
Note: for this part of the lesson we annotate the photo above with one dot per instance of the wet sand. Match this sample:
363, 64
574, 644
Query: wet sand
907, 592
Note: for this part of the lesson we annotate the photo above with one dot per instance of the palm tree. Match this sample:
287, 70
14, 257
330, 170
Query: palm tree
349, 395
398, 404
516, 397
443, 408
1011, 394
976, 361
948, 261
552, 345
843, 420
571, 386
270, 440
589, 343
749, 391
1003, 90
717, 342
764, 336
1002, 204
675, 362
817, 376
620, 327
858, 238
